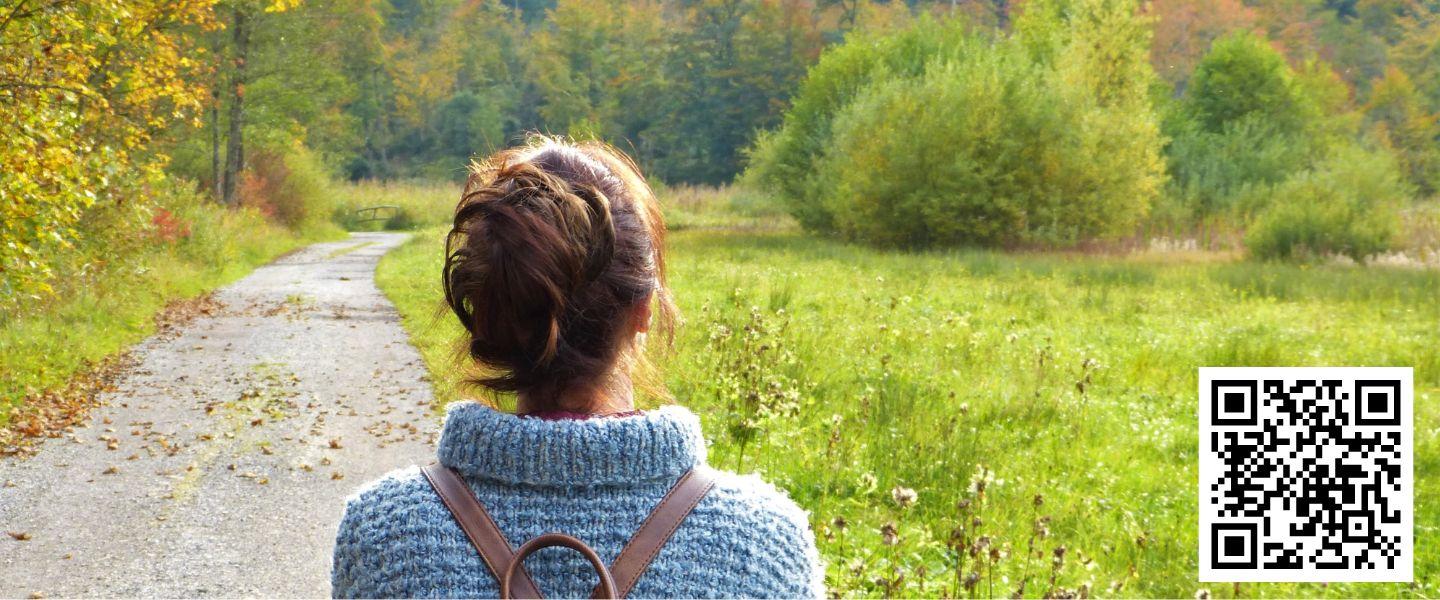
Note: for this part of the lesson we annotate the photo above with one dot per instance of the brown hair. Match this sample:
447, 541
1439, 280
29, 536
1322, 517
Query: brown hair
554, 243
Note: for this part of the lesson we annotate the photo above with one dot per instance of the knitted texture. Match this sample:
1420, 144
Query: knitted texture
594, 479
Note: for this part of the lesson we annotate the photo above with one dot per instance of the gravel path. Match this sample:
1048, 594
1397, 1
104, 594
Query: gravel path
220, 464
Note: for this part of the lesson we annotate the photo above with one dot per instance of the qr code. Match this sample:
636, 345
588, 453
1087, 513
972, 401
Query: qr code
1306, 474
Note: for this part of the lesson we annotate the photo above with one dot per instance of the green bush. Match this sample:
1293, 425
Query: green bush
1243, 76
785, 160
1213, 172
936, 136
1347, 205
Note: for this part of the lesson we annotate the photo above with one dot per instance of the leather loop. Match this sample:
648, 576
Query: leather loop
478, 526
657, 529
607, 582
508, 566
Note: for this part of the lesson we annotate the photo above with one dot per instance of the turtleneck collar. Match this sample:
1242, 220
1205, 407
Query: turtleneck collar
658, 444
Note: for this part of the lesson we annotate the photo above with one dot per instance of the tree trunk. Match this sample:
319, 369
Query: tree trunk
215, 143
235, 144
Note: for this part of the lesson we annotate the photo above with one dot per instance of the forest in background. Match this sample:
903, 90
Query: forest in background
134, 118
156, 150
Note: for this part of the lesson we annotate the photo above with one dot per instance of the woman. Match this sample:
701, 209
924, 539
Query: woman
553, 265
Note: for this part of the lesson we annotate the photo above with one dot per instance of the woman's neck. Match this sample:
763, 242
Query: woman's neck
617, 397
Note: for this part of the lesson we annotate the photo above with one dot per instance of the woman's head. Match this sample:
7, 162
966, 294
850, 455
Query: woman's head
554, 260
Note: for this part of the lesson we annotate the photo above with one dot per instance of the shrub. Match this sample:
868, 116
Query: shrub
986, 149
785, 160
937, 136
1213, 171
1347, 205
289, 185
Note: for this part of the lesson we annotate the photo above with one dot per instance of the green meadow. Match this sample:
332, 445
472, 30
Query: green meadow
1040, 407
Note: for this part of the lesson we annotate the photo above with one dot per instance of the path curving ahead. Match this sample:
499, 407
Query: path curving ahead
220, 463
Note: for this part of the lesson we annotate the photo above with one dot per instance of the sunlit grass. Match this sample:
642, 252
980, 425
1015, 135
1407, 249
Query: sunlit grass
1067, 378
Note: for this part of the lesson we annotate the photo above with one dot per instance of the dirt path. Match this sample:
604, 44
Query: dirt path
220, 464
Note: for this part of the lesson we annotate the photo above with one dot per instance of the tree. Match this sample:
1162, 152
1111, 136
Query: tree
84, 86
1240, 77
1397, 113
1184, 30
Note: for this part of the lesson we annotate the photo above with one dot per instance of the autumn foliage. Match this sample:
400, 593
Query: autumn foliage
84, 86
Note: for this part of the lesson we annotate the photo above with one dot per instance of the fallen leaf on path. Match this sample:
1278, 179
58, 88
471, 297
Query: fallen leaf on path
111, 471
337, 475
19, 535
335, 444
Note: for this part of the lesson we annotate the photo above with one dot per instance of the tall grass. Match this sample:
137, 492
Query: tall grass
1041, 408
416, 204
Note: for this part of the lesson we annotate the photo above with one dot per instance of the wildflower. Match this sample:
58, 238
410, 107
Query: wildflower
979, 480
971, 579
982, 544
868, 482
889, 535
1039, 500
904, 497
857, 566
1202, 594
1059, 556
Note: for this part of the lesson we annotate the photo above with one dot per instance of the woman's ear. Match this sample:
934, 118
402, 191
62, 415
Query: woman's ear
640, 316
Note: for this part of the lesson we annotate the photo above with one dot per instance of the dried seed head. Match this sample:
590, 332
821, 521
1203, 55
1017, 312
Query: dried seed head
1039, 500
971, 579
840, 524
904, 497
889, 535
1202, 594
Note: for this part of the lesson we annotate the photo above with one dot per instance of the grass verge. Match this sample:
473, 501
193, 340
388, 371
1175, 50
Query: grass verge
97, 314
1037, 401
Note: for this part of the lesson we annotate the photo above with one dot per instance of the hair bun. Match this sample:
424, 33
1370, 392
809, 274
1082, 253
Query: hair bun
550, 249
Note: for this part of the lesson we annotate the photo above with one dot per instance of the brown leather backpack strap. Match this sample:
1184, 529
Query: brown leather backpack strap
479, 527
657, 529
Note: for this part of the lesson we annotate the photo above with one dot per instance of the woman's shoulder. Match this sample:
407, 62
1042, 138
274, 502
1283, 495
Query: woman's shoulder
752, 526
404, 485
752, 496
398, 497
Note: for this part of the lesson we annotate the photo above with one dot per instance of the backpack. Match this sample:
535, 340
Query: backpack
616, 581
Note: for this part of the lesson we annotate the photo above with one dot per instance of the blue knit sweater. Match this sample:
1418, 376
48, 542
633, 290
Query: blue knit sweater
595, 479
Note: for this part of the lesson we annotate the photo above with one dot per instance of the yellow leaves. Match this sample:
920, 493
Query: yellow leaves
276, 6
82, 87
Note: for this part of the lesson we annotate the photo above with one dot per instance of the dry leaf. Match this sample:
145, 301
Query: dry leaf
19, 535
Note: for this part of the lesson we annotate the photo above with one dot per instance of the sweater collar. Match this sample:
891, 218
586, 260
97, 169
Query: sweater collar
658, 444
